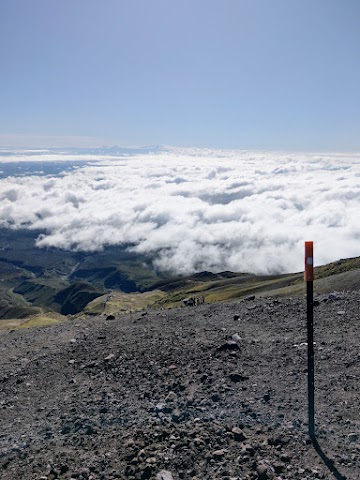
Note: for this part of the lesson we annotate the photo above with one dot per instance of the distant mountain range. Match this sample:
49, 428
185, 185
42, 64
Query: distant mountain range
103, 150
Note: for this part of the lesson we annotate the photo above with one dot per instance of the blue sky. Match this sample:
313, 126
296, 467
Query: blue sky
253, 74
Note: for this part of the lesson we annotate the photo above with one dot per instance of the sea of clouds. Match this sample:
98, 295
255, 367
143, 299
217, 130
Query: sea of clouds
193, 209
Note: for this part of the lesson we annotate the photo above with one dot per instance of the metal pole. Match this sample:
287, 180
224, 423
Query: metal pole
309, 278
310, 342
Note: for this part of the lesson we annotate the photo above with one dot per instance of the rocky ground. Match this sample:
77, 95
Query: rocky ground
208, 392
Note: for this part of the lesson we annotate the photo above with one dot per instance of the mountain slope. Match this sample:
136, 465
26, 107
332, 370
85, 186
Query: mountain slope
34, 280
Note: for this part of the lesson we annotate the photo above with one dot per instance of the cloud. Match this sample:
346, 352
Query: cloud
194, 210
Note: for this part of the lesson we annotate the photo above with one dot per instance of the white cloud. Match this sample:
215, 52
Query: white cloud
197, 209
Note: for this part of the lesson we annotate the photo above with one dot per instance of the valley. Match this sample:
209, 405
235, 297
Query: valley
38, 284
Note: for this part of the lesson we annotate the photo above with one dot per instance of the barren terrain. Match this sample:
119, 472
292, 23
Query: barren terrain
207, 392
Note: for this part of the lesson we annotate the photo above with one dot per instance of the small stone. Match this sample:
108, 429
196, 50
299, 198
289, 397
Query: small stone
215, 397
238, 434
266, 397
279, 467
176, 415
249, 298
110, 317
171, 397
285, 457
353, 437
146, 473
129, 443
341, 312
164, 475
261, 470
89, 430
218, 453
109, 357
236, 318
159, 407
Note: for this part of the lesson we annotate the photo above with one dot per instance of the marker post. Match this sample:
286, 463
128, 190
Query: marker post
309, 278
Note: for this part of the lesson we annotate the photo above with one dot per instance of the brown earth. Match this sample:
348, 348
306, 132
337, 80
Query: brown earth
165, 395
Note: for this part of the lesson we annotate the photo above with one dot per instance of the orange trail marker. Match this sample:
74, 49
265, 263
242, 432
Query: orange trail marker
309, 278
309, 261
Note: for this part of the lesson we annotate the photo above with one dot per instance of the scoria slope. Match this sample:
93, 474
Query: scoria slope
209, 392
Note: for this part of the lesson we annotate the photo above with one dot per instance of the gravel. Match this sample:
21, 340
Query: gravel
208, 392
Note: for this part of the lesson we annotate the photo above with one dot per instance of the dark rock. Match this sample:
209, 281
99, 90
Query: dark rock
189, 302
229, 345
110, 317
238, 377
285, 457
249, 298
146, 473
63, 469
89, 430
239, 435
215, 397
278, 467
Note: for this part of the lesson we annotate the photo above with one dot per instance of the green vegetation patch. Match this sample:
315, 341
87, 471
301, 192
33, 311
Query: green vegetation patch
39, 320
334, 268
117, 302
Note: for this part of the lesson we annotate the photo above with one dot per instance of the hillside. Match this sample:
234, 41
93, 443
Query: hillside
206, 393
36, 282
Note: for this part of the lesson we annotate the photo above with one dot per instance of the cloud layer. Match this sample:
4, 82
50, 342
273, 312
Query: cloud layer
194, 210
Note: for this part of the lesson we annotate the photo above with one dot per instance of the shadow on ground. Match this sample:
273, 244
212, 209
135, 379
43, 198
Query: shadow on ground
328, 461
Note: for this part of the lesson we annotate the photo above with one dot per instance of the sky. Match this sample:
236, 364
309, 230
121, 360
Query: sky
247, 74
191, 209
